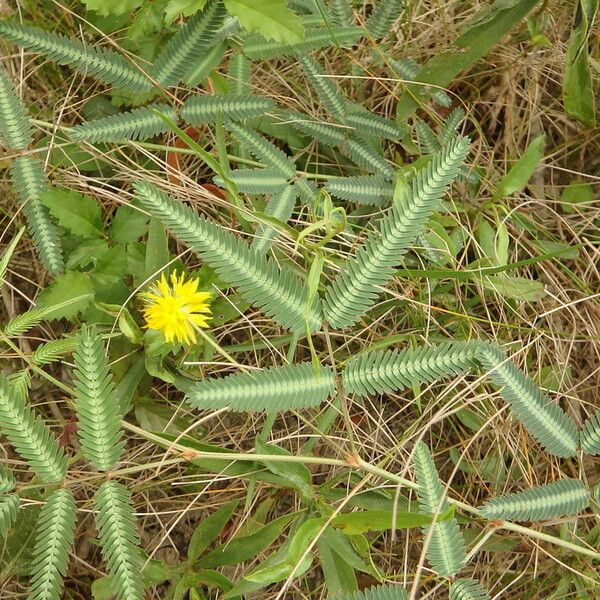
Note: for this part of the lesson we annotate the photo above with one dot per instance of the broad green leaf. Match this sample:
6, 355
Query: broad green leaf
128, 225
578, 88
67, 295
295, 559
520, 173
470, 419
188, 584
157, 249
78, 214
379, 520
296, 473
87, 253
110, 269
244, 548
486, 30
185, 8
575, 193
209, 530
127, 386
273, 19
346, 548
112, 7
516, 288
339, 575
568, 252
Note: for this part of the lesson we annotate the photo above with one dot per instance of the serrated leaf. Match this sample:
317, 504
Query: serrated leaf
184, 8
78, 214
57, 298
112, 7
273, 19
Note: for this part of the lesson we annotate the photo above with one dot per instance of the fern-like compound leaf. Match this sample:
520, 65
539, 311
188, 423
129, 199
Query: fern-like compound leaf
15, 126
451, 125
138, 124
257, 48
279, 293
105, 65
54, 537
98, 413
9, 509
29, 436
239, 72
211, 60
590, 435
307, 190
544, 419
367, 123
341, 11
326, 89
356, 288
7, 481
205, 108
379, 592
53, 351
290, 387
428, 141
24, 321
372, 190
119, 539
262, 149
446, 549
467, 589
255, 181
366, 157
391, 370
178, 59
29, 182
280, 206
551, 501
20, 383
323, 132
383, 17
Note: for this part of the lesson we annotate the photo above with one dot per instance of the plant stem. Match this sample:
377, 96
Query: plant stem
357, 463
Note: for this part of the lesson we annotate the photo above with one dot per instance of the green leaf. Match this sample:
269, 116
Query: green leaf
296, 473
244, 548
520, 173
78, 214
516, 288
339, 575
66, 296
381, 520
209, 530
157, 249
185, 8
273, 19
128, 225
112, 7
490, 25
578, 90
294, 559
576, 192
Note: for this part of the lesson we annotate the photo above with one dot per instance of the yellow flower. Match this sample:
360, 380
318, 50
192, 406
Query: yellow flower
176, 309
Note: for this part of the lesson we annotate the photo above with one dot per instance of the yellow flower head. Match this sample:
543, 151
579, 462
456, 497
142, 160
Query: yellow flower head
176, 309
